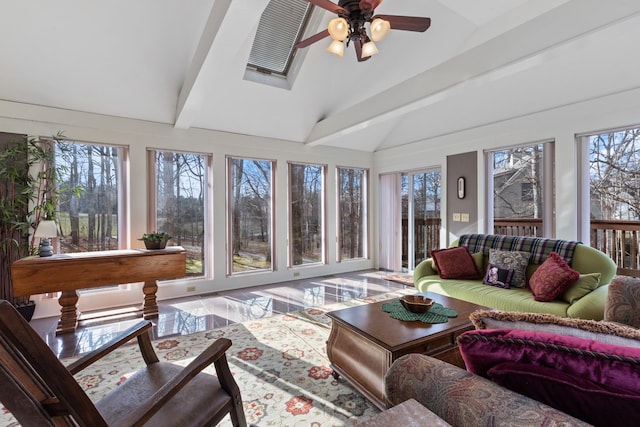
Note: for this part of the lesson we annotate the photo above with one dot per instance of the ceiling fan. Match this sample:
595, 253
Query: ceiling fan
350, 26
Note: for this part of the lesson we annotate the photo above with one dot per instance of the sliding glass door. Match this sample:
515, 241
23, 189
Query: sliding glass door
420, 193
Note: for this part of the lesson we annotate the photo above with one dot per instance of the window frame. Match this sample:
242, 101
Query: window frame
229, 211
152, 202
323, 214
548, 185
365, 219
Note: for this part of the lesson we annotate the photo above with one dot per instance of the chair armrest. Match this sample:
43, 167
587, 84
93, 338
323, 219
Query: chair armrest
215, 353
139, 330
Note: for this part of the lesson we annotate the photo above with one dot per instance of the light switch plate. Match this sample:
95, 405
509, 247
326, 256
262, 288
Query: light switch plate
456, 217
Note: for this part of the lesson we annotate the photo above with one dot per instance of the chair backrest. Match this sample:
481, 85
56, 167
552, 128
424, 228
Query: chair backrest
35, 386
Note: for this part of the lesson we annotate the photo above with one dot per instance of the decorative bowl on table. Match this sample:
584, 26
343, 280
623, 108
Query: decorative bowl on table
416, 303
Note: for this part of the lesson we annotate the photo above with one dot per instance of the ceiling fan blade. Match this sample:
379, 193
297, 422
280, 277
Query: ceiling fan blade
369, 5
358, 45
312, 39
407, 23
327, 5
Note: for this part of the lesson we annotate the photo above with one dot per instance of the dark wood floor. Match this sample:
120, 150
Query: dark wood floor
197, 313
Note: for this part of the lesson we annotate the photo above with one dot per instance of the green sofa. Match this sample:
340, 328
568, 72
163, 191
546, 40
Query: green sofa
585, 260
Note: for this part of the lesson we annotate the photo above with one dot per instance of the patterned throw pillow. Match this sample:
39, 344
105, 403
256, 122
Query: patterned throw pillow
552, 278
455, 263
516, 260
499, 277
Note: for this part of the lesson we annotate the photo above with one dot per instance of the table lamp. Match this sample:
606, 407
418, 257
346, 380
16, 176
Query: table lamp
46, 230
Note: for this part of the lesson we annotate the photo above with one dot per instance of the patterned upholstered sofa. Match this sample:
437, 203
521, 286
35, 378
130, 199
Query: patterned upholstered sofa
527, 369
585, 299
465, 399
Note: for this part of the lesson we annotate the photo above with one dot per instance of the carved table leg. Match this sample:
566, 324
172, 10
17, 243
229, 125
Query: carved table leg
68, 312
150, 308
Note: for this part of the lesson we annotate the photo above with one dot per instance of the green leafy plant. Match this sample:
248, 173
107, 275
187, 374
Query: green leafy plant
156, 236
28, 194
155, 240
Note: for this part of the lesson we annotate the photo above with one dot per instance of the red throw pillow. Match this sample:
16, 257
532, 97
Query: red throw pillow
455, 263
552, 278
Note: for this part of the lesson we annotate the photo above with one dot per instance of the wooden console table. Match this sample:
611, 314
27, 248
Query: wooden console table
69, 272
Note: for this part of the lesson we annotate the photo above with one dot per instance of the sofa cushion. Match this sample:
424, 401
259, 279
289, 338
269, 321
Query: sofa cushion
552, 278
497, 276
455, 263
516, 260
585, 284
595, 403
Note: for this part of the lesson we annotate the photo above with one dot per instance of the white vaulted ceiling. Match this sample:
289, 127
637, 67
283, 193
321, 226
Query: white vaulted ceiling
184, 63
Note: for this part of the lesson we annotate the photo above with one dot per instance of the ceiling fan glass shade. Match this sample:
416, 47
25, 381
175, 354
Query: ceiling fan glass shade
379, 29
338, 28
368, 49
336, 47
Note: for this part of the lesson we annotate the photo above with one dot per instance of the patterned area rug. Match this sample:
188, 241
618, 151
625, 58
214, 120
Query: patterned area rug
405, 279
280, 364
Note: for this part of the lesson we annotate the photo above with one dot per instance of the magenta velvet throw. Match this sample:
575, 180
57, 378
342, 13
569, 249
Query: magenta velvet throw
582, 377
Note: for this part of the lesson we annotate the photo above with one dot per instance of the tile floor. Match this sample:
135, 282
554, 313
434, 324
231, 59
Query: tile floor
197, 313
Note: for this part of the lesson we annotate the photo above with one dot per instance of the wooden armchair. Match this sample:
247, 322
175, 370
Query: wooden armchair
40, 391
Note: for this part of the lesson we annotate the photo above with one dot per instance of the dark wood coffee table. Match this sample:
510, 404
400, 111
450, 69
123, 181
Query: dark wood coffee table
365, 341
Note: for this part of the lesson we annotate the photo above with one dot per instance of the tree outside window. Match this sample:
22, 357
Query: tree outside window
352, 213
89, 187
180, 197
250, 209
306, 195
614, 170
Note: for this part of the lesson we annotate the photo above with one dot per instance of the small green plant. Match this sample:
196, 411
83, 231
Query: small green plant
155, 240
155, 237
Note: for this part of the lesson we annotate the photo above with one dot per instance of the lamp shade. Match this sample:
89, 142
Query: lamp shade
368, 49
379, 29
338, 28
46, 229
336, 47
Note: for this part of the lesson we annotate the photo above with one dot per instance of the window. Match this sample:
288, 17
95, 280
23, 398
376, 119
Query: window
611, 206
352, 213
280, 27
178, 199
520, 205
90, 186
527, 190
250, 184
306, 214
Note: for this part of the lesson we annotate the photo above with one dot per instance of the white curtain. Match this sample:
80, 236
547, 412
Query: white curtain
390, 222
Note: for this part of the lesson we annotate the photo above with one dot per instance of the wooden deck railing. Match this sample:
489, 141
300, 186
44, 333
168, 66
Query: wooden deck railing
426, 236
518, 227
619, 239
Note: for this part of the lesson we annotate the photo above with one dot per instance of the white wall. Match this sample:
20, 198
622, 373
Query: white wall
139, 135
560, 124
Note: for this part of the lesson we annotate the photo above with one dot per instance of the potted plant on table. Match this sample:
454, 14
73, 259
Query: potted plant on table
155, 240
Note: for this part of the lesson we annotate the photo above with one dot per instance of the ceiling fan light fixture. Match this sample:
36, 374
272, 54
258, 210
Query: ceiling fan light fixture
336, 47
379, 29
338, 29
369, 49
